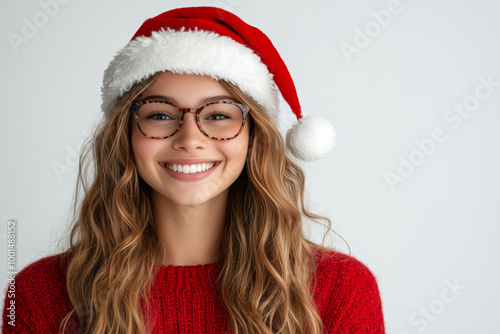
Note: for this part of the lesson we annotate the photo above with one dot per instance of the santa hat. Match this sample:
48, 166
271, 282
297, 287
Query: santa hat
211, 41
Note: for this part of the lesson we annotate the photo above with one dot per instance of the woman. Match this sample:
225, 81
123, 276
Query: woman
193, 220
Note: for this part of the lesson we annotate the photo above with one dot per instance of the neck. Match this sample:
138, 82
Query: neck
190, 234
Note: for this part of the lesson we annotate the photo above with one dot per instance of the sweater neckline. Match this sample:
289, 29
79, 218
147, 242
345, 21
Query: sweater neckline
198, 277
190, 267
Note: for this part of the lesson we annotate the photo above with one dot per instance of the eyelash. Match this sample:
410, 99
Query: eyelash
218, 113
156, 113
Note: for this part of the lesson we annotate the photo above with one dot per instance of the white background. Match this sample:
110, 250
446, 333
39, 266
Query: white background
438, 227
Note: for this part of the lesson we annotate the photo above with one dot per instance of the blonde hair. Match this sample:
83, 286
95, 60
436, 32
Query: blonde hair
268, 263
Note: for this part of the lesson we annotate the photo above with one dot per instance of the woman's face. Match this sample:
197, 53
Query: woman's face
155, 158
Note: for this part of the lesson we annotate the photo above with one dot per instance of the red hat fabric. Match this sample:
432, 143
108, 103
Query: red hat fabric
214, 42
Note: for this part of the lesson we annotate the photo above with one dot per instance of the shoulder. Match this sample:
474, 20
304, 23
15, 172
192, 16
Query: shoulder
44, 276
33, 293
47, 267
347, 295
336, 266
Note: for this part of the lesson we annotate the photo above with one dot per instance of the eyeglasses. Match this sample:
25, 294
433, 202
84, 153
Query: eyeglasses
221, 120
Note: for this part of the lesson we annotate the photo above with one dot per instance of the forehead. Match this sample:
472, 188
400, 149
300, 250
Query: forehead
184, 87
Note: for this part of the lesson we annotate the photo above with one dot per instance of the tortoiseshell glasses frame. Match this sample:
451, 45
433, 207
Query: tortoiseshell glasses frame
135, 106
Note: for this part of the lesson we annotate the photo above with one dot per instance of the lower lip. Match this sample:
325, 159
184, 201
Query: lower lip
191, 176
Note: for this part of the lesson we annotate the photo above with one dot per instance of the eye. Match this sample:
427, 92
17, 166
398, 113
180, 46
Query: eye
159, 116
218, 116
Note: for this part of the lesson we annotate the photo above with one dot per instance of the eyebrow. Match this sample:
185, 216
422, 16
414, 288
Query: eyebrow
202, 101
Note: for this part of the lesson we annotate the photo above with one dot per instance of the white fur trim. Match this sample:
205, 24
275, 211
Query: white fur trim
311, 139
190, 52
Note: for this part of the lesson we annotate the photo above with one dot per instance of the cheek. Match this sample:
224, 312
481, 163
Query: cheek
236, 151
143, 149
241, 152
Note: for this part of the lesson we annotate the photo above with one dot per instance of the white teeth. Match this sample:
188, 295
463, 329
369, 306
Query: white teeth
190, 169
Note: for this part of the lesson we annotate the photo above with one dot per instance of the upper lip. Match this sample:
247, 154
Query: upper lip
188, 161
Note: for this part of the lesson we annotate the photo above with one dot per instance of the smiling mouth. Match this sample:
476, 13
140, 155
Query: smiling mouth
189, 169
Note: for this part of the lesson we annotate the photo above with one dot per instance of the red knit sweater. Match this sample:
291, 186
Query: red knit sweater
346, 295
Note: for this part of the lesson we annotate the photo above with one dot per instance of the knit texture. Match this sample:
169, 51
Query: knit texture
187, 301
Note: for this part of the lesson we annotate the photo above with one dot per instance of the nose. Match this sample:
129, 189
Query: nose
189, 138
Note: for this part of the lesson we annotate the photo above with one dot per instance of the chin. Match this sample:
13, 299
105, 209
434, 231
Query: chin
193, 197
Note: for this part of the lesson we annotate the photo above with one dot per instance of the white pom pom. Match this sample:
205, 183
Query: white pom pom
311, 139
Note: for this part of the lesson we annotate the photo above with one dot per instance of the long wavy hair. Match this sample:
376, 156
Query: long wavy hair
267, 277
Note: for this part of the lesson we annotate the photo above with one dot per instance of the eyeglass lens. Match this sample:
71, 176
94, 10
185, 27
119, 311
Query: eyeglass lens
219, 120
